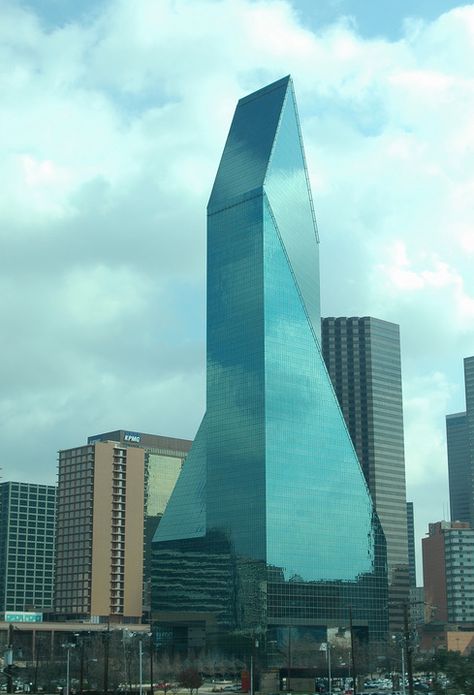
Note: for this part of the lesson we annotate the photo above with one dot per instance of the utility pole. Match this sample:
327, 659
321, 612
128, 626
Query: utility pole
255, 644
403, 671
408, 649
37, 656
140, 661
354, 676
68, 666
81, 671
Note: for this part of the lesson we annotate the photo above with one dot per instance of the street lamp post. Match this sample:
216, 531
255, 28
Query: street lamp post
8, 660
37, 656
288, 680
140, 661
151, 660
68, 646
399, 641
328, 652
8, 670
68, 675
81, 637
326, 647
81, 671
252, 662
106, 638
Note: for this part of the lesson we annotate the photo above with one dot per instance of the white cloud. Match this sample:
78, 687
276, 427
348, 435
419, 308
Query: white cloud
426, 403
101, 295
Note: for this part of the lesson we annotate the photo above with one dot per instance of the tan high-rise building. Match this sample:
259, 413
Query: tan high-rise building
164, 458
99, 540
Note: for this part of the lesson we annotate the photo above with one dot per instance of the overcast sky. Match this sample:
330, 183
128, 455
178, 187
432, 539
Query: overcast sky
113, 119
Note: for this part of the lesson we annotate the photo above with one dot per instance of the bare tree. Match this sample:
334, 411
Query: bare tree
190, 678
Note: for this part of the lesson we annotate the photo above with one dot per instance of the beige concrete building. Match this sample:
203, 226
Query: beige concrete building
164, 458
100, 534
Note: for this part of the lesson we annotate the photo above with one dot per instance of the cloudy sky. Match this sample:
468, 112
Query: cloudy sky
113, 117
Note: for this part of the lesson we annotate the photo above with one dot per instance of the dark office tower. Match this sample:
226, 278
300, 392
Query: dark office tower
460, 474
270, 528
411, 545
27, 528
362, 356
460, 439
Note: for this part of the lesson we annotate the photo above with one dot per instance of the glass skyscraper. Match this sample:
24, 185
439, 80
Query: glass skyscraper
460, 440
271, 527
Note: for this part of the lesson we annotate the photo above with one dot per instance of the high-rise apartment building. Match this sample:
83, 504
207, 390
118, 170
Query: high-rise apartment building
411, 545
270, 529
460, 440
362, 356
99, 546
164, 458
448, 572
27, 529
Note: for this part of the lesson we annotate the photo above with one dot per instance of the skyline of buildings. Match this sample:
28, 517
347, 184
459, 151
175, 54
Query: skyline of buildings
162, 465
272, 490
362, 356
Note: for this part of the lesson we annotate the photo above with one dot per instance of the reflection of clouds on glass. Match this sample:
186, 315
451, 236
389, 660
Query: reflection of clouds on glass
249, 146
339, 637
297, 232
242, 172
185, 514
308, 447
286, 186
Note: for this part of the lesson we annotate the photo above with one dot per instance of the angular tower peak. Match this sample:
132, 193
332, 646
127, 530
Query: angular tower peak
249, 145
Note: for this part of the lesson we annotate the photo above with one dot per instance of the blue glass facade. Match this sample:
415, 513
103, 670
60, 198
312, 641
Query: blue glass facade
460, 441
271, 523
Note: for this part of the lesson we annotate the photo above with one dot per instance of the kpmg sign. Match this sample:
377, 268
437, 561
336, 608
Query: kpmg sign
131, 437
